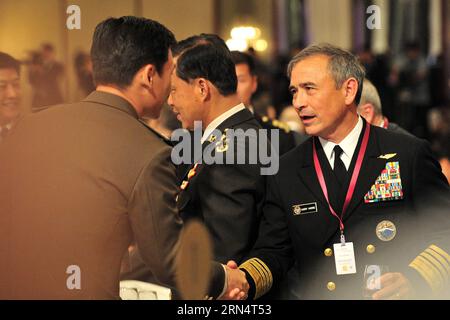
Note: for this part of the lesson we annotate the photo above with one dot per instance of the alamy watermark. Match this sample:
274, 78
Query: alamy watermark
74, 19
233, 146
374, 20
73, 281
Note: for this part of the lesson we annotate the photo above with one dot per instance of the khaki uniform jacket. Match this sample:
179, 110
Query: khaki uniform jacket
78, 183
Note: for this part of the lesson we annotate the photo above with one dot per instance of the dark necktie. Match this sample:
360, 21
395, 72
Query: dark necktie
339, 167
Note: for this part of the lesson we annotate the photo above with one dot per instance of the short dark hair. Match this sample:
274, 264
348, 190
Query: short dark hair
210, 60
203, 38
121, 46
8, 62
244, 58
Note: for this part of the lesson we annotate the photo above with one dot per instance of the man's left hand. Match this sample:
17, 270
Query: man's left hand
394, 286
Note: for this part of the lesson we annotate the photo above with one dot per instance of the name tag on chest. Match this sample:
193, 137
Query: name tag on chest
344, 257
305, 208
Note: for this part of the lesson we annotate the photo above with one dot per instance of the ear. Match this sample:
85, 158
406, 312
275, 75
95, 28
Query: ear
146, 75
350, 88
202, 88
254, 84
367, 112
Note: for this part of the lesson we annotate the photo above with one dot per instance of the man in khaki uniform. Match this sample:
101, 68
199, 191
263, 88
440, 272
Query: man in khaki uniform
80, 181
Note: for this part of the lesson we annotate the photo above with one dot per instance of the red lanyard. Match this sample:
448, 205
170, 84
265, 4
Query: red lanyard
351, 187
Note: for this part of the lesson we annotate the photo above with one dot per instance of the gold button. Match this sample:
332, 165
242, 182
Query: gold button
328, 252
331, 286
370, 248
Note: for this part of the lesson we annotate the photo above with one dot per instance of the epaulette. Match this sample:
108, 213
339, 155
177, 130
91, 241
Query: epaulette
277, 124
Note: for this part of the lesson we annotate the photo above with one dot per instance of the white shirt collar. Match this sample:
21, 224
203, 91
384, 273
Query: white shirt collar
217, 121
348, 145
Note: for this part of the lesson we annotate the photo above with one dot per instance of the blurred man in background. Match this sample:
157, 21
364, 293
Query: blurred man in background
247, 86
45, 75
10, 94
370, 108
83, 70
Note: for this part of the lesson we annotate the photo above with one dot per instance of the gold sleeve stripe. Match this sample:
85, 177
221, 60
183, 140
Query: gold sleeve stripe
437, 278
261, 275
434, 266
423, 272
437, 268
264, 267
438, 250
256, 279
256, 276
428, 272
444, 262
267, 273
438, 262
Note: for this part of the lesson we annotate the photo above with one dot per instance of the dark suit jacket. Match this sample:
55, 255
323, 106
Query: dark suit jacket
78, 183
396, 128
227, 197
421, 219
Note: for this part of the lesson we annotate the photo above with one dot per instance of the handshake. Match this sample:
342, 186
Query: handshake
236, 283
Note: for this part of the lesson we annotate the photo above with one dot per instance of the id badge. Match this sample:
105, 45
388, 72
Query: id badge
344, 257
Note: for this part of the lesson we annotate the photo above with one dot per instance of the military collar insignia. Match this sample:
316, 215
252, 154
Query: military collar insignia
222, 145
191, 173
212, 138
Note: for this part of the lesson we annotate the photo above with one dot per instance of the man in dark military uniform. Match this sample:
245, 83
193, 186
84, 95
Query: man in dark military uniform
352, 200
227, 197
247, 85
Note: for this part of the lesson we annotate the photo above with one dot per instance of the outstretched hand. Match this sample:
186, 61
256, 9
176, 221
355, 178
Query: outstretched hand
394, 286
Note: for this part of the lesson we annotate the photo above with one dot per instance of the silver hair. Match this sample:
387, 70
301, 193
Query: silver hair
342, 64
370, 95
